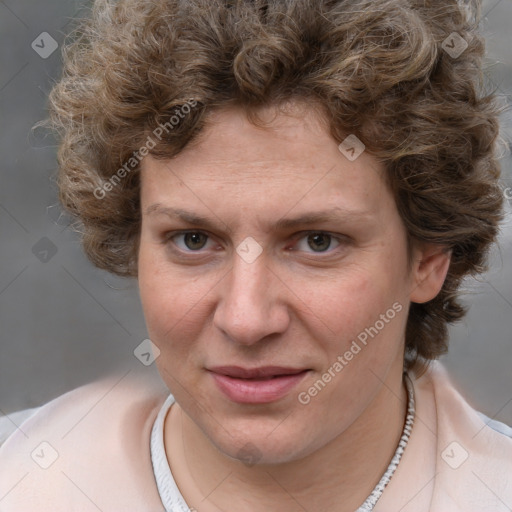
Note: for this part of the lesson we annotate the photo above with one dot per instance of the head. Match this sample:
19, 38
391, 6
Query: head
237, 112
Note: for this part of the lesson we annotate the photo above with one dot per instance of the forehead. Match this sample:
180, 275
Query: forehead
291, 160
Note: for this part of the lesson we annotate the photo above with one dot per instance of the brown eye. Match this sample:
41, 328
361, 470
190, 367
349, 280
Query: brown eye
195, 240
192, 241
317, 242
320, 241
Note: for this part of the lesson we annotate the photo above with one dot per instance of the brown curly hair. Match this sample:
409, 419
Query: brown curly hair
374, 68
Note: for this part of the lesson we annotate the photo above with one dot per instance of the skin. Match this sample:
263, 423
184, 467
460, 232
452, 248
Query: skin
300, 304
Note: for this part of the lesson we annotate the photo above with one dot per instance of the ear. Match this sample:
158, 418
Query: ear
429, 269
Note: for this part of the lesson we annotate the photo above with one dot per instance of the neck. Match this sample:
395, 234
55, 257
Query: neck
351, 464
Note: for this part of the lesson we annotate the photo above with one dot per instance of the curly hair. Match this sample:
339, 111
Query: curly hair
378, 69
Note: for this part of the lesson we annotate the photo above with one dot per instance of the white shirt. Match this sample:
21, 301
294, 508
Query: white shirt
169, 493
104, 447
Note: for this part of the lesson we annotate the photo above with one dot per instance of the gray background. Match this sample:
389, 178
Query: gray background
64, 323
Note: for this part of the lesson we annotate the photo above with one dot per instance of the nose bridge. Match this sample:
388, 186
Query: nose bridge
248, 309
249, 287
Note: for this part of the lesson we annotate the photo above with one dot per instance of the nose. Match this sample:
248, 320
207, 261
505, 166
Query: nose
252, 303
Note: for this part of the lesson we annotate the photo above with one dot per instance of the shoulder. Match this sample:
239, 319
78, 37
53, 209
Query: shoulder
498, 426
474, 453
455, 411
76, 451
10, 422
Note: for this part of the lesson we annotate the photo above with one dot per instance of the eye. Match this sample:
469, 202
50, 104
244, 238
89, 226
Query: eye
192, 240
319, 241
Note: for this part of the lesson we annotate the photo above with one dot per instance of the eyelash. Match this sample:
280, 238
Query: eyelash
169, 236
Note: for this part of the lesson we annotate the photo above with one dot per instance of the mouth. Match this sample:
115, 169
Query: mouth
262, 372
256, 385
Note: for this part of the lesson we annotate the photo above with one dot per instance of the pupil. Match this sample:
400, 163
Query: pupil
317, 238
195, 238
321, 236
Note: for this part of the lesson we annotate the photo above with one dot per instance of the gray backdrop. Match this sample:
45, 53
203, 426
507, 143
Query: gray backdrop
64, 323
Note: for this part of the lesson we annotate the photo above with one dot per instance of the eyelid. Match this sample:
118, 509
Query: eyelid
167, 238
341, 239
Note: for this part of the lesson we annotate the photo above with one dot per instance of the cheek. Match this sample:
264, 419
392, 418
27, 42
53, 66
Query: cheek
346, 303
366, 307
160, 293
174, 301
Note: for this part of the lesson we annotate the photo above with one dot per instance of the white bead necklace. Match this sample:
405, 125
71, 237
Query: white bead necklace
374, 496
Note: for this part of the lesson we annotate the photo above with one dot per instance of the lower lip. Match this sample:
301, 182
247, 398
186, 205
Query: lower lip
253, 391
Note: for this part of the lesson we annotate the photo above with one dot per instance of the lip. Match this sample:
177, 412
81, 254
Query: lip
256, 385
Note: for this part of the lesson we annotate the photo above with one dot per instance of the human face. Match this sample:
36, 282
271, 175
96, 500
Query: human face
299, 304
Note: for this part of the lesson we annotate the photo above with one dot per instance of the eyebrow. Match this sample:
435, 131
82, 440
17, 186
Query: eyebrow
336, 214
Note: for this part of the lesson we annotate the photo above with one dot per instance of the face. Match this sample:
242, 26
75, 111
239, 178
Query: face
273, 278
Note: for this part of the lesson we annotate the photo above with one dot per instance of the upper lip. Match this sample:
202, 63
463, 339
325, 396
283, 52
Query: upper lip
250, 373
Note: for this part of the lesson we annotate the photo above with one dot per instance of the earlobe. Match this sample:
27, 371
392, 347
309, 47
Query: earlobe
431, 264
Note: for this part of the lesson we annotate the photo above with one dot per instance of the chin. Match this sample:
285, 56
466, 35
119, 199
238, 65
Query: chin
256, 446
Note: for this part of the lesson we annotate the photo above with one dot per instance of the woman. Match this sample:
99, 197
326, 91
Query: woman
299, 189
